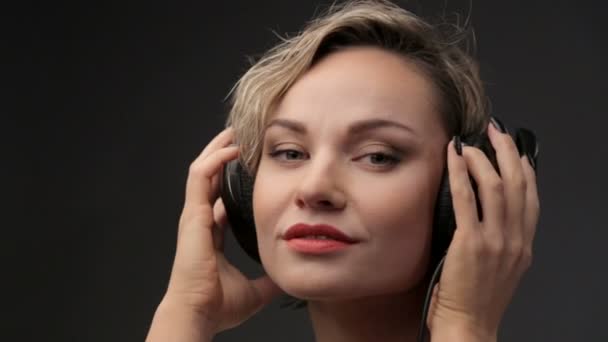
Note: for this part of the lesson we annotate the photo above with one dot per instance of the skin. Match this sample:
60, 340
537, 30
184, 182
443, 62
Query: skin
391, 216
325, 173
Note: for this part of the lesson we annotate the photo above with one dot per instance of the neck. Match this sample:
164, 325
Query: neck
389, 318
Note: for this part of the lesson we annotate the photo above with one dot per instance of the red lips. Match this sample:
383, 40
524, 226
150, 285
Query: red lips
302, 230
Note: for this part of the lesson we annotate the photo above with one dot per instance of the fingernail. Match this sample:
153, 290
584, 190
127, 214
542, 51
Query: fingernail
458, 145
498, 125
531, 160
526, 143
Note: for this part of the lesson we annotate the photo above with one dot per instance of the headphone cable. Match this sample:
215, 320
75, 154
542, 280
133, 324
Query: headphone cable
422, 331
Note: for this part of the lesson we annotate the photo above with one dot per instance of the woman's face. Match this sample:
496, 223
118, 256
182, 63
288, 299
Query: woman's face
356, 143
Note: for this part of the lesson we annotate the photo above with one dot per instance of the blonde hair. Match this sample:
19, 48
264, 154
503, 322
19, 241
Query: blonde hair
360, 22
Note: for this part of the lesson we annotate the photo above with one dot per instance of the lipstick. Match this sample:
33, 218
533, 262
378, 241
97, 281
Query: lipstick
316, 239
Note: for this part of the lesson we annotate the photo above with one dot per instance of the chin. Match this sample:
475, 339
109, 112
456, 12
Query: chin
325, 285
341, 277
333, 293
311, 283
319, 293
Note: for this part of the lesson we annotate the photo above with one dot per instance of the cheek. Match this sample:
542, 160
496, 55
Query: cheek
263, 205
271, 199
399, 217
401, 202
269, 194
260, 202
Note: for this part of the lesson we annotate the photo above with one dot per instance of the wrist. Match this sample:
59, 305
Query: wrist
177, 322
461, 332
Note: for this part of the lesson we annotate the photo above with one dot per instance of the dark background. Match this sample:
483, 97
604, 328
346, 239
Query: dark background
108, 103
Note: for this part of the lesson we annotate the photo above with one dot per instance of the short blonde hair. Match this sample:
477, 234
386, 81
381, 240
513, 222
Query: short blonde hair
350, 23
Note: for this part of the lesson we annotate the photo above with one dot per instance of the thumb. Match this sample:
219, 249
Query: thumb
221, 221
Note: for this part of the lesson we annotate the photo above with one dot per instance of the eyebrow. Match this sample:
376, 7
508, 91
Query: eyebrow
358, 127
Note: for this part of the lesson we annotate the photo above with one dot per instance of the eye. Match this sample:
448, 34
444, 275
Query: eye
287, 154
382, 159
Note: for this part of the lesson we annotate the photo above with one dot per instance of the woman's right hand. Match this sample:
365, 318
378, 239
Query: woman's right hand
204, 286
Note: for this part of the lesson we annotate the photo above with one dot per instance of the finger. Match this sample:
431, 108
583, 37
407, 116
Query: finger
221, 221
489, 189
215, 185
532, 206
199, 189
463, 199
195, 239
511, 173
224, 138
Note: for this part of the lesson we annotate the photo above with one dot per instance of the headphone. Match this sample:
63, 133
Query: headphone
236, 191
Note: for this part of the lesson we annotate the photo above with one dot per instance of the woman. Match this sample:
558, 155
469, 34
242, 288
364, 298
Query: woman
347, 129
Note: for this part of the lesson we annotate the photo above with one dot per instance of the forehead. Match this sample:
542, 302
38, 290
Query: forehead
362, 83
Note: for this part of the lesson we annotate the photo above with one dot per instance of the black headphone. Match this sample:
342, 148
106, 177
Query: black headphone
236, 191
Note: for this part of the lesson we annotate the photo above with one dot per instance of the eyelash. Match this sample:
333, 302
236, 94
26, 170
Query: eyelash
276, 153
391, 158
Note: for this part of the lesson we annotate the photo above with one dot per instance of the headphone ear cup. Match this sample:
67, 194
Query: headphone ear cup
236, 191
445, 222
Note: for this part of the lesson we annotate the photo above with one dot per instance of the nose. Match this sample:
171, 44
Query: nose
320, 186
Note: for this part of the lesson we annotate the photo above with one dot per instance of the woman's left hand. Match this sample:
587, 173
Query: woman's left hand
486, 258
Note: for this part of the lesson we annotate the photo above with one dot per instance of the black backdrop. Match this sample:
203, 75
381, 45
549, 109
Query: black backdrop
110, 102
